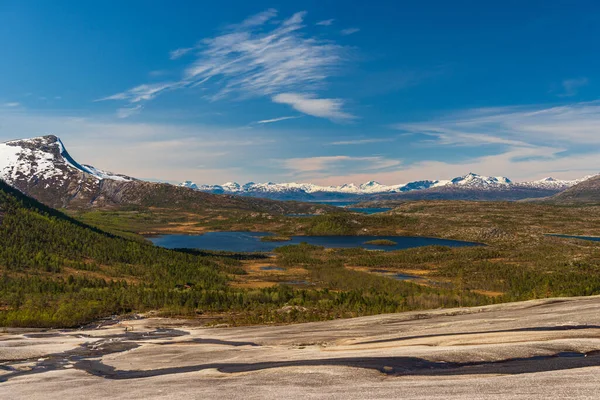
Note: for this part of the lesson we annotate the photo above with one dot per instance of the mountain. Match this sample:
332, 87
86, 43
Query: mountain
470, 186
586, 192
43, 169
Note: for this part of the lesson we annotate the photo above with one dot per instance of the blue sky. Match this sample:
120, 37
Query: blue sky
315, 91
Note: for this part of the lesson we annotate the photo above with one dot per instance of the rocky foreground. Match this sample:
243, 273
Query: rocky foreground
531, 350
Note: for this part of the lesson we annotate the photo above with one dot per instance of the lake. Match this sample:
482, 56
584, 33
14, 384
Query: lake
347, 205
592, 238
251, 241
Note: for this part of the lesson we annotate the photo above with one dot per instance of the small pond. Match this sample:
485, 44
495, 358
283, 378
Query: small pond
592, 238
271, 268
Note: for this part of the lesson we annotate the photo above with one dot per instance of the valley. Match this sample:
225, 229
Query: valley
519, 260
414, 266
96, 260
299, 200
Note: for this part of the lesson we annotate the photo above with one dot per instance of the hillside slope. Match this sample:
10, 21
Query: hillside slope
586, 192
58, 271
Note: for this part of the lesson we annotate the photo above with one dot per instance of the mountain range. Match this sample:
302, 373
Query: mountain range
43, 169
469, 186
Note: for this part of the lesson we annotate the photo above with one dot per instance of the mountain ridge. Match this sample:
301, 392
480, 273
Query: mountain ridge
468, 183
42, 168
586, 192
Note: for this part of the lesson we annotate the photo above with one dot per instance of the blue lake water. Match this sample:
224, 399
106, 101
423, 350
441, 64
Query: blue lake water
347, 204
250, 242
592, 238
398, 276
369, 210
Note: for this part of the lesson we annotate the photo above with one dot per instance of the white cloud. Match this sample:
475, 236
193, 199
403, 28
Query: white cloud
142, 92
270, 121
258, 19
326, 22
560, 126
258, 63
525, 143
126, 112
328, 163
255, 59
517, 164
309, 104
11, 104
571, 86
178, 53
349, 31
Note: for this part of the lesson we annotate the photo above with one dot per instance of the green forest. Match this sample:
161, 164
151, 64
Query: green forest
59, 272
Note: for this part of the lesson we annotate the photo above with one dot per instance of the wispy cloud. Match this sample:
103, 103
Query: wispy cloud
178, 53
361, 141
349, 31
257, 19
257, 64
571, 86
309, 104
270, 121
11, 104
330, 163
562, 125
520, 142
126, 112
517, 163
256, 59
143, 92
326, 22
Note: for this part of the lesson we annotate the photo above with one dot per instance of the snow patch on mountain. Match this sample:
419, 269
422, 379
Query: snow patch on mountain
469, 181
472, 180
43, 158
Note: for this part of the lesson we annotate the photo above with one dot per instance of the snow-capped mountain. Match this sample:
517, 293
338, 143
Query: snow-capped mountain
42, 168
44, 158
468, 183
472, 180
551, 183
